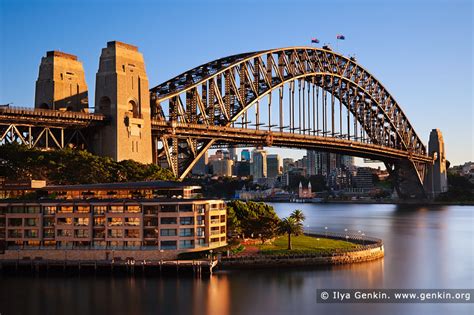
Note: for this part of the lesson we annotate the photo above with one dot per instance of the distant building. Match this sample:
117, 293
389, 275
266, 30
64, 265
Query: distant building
245, 155
258, 167
233, 154
288, 163
242, 168
305, 193
364, 178
273, 165
200, 168
222, 167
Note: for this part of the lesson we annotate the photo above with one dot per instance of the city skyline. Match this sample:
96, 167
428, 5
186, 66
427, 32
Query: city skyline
403, 58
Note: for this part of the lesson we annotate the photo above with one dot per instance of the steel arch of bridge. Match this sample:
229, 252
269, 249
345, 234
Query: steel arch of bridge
200, 108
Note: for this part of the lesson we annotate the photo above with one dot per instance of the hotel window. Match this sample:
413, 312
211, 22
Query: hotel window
186, 220
32, 209
223, 218
200, 220
215, 219
99, 234
115, 222
168, 232
15, 233
81, 221
30, 222
132, 233
200, 208
99, 221
186, 232
214, 240
15, 222
49, 209
201, 241
83, 209
150, 221
66, 209
168, 208
133, 209
151, 209
116, 233
17, 209
168, 245
100, 209
132, 221
186, 208
81, 233
48, 221
200, 232
64, 221
65, 233
186, 244
48, 233
116, 209
168, 221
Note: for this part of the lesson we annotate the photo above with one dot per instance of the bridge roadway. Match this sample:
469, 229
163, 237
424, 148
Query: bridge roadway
47, 117
254, 137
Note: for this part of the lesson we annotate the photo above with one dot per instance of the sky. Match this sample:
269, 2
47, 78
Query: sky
421, 50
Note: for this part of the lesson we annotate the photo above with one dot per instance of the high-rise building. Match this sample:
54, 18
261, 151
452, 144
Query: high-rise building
258, 167
222, 167
242, 168
233, 154
288, 163
245, 155
312, 159
273, 165
347, 161
200, 168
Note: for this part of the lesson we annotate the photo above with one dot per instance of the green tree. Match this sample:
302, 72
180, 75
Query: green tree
247, 218
298, 215
69, 166
290, 226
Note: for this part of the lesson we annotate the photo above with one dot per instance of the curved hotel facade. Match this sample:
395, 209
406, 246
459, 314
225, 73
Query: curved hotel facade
158, 218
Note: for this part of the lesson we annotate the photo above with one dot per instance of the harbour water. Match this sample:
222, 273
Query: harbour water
429, 247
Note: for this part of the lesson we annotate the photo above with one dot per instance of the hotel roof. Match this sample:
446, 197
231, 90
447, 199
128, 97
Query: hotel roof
124, 185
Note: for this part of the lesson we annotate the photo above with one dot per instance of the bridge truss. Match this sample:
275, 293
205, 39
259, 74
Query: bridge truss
47, 129
297, 97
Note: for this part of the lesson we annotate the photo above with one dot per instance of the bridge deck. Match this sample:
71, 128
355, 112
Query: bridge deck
254, 137
47, 117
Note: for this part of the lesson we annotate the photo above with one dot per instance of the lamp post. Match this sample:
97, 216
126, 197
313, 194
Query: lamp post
326, 231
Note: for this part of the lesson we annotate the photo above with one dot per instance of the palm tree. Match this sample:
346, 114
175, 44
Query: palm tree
290, 226
298, 215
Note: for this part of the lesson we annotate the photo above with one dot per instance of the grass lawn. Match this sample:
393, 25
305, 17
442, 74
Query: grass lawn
303, 244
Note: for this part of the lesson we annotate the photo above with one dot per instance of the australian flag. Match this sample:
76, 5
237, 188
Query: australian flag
314, 40
342, 37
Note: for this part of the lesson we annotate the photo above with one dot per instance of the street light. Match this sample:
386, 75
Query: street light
326, 228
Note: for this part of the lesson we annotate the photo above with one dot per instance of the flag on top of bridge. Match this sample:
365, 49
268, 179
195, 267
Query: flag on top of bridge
340, 36
314, 40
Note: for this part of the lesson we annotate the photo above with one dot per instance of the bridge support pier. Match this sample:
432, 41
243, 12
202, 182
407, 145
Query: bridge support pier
408, 179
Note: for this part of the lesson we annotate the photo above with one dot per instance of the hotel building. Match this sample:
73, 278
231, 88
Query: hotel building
160, 216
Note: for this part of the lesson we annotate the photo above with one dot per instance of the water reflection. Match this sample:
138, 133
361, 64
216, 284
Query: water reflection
426, 247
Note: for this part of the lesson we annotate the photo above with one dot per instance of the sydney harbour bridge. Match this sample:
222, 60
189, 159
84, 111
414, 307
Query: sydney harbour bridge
296, 97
